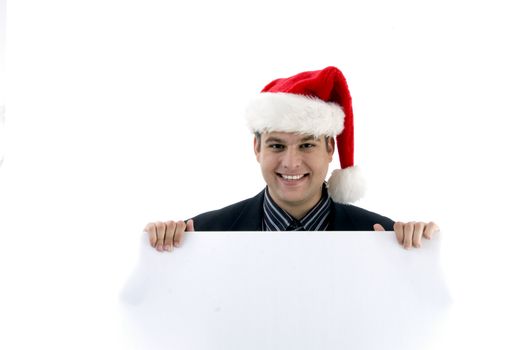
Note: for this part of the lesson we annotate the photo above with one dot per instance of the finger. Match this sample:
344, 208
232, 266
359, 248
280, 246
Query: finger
169, 236
378, 227
190, 225
430, 229
160, 229
417, 234
399, 232
408, 234
181, 226
152, 235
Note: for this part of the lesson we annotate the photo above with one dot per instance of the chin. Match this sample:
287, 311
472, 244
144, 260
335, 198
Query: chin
296, 198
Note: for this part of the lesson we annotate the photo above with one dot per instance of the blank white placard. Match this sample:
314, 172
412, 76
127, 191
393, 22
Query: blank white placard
286, 290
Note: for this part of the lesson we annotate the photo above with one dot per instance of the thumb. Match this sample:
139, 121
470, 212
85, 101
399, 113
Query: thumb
190, 225
378, 227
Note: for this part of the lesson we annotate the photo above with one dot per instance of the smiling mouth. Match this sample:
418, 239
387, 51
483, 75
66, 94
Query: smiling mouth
292, 177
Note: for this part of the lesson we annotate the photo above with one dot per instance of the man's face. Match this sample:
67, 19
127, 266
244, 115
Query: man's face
294, 168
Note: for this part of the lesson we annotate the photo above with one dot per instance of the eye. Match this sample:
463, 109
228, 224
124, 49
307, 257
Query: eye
307, 145
276, 146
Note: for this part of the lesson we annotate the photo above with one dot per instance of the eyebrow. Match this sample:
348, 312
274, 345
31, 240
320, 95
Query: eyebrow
310, 138
278, 140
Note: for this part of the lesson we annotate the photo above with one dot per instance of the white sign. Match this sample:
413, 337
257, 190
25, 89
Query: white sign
286, 290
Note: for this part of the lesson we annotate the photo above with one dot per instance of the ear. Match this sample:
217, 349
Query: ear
331, 145
257, 148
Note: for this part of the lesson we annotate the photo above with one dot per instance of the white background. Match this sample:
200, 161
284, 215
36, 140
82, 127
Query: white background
124, 112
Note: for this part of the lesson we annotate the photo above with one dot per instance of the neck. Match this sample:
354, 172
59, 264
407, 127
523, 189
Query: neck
297, 213
298, 209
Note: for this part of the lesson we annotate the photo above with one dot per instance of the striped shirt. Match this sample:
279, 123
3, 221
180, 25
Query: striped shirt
277, 219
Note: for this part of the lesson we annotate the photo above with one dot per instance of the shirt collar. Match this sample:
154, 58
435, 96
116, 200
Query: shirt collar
277, 219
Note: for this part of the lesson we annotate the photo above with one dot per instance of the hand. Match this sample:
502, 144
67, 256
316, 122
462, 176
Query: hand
164, 236
410, 234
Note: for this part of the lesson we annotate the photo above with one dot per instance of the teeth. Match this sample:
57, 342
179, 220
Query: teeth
292, 177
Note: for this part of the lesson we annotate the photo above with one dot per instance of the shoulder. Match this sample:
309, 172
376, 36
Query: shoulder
348, 217
245, 215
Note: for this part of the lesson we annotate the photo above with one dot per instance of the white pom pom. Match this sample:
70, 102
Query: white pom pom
346, 185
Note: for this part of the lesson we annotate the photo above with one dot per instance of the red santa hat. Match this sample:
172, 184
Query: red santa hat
314, 103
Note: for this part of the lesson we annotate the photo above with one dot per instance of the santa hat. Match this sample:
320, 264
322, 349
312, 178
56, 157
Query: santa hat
315, 103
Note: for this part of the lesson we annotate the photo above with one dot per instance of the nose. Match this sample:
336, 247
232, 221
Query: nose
291, 158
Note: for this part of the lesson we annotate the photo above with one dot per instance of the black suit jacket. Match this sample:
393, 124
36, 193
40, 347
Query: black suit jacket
247, 215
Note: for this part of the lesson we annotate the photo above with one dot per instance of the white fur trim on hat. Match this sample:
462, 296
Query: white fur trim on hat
286, 112
346, 185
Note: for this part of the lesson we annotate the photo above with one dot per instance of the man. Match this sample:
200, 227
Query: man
295, 122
